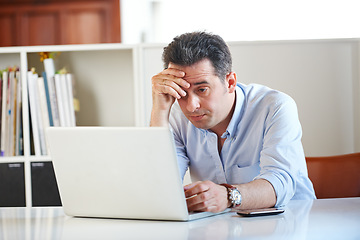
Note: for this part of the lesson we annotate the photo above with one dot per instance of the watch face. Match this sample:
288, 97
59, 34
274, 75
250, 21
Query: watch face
235, 197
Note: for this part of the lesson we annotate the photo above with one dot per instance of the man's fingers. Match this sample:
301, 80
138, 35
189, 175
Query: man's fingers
169, 84
204, 202
197, 199
206, 196
174, 75
196, 188
173, 71
191, 185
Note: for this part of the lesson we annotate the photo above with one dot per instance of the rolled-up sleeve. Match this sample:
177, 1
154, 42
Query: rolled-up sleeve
282, 155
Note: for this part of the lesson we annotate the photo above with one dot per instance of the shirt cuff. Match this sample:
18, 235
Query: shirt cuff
283, 186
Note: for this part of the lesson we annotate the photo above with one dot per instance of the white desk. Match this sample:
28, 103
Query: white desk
319, 219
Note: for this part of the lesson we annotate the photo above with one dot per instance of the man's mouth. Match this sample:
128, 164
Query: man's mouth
196, 118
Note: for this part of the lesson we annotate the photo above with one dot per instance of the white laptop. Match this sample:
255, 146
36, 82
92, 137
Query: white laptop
119, 172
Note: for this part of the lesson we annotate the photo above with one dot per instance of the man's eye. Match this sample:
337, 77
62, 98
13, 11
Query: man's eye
202, 90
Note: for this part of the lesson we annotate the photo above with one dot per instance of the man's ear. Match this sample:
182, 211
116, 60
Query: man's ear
231, 81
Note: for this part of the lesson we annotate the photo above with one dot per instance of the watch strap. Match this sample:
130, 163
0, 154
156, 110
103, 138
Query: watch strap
229, 189
228, 186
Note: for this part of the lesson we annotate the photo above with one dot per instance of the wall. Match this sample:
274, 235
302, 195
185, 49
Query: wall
239, 20
320, 76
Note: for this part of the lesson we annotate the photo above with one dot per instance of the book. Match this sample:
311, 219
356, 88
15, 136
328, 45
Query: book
60, 100
48, 103
3, 111
31, 78
4, 115
19, 149
43, 114
70, 84
65, 99
49, 80
10, 150
1, 82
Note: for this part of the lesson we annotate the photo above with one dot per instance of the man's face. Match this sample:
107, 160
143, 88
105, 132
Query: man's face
209, 100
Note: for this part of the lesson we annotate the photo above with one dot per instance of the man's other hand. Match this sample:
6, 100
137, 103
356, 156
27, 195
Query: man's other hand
206, 196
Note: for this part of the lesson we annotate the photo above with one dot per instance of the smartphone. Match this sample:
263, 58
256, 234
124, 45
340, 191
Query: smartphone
259, 212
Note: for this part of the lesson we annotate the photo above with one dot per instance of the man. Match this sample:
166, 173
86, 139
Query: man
242, 143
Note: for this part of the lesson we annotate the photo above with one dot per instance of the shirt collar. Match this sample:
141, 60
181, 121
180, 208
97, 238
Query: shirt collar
236, 117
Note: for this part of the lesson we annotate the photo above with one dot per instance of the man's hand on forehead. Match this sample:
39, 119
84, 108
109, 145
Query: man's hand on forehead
175, 80
170, 82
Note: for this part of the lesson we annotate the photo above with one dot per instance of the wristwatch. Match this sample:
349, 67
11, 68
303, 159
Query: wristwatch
234, 195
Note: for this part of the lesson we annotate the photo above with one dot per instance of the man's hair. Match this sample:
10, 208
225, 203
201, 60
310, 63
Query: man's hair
190, 48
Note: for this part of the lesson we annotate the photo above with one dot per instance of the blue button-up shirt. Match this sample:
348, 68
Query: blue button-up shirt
262, 141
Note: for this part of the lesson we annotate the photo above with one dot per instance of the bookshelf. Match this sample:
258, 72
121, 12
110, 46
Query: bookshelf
114, 88
106, 78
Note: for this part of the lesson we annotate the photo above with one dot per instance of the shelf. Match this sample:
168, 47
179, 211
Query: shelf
13, 159
106, 77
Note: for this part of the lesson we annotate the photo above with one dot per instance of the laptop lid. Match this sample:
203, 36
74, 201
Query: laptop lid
118, 172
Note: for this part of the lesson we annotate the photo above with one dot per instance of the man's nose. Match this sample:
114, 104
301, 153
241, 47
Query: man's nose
193, 103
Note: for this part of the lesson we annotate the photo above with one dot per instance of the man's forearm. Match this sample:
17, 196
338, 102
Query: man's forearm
159, 118
257, 194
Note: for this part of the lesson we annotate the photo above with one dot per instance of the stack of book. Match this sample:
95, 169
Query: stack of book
51, 100
11, 140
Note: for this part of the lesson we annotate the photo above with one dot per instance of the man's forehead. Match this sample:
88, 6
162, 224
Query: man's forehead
197, 71
197, 79
204, 63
